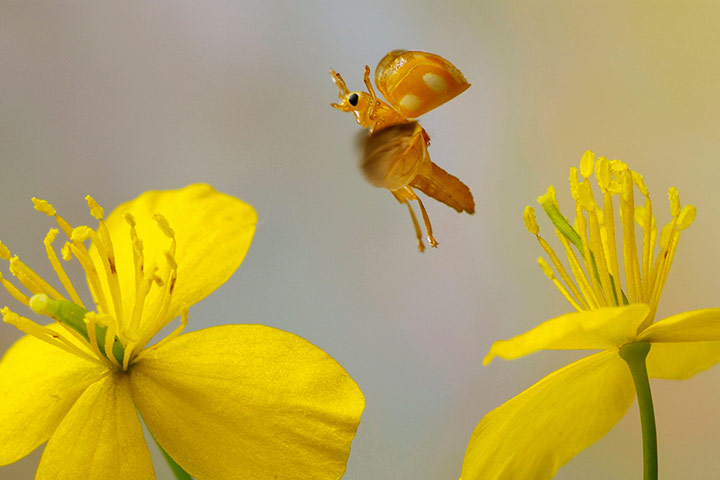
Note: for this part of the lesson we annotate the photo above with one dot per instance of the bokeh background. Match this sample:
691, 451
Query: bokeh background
116, 98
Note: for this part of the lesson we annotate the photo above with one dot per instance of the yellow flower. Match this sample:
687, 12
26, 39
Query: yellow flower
234, 401
538, 431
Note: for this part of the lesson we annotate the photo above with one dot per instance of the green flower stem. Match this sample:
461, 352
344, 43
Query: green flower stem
634, 355
73, 316
177, 470
569, 232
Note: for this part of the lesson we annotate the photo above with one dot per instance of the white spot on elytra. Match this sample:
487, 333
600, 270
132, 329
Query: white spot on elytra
435, 82
410, 102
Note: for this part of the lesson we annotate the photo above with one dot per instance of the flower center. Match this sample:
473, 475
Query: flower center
596, 275
114, 333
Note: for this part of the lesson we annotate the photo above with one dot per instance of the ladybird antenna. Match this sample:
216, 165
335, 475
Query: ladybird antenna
342, 87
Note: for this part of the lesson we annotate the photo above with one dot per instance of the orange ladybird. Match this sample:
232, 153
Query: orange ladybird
396, 155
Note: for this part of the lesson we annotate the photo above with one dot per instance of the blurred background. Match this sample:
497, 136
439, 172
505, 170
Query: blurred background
113, 99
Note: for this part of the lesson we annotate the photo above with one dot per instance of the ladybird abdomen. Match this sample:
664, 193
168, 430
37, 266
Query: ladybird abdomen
445, 188
416, 82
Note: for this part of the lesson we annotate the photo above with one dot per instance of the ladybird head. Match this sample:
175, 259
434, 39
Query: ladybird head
356, 102
348, 100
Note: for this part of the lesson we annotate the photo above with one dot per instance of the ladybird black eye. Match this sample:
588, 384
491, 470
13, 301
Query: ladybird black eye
353, 99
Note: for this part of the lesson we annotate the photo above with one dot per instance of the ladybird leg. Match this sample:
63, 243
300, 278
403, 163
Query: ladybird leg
368, 85
426, 219
418, 233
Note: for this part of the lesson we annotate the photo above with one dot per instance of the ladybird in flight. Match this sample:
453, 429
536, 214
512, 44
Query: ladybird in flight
396, 155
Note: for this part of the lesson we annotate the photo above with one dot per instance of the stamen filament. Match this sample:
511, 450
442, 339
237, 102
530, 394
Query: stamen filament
110, 274
582, 281
31, 280
173, 334
81, 253
561, 270
14, 292
161, 319
601, 261
610, 229
587, 255
59, 270
627, 214
551, 275
45, 207
74, 317
45, 334
110, 342
646, 251
91, 328
663, 274
138, 257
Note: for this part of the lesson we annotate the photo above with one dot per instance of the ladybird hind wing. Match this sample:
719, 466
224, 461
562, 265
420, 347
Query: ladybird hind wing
416, 82
445, 188
394, 155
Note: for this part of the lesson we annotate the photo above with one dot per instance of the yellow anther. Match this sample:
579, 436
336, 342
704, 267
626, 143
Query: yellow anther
586, 164
128, 217
95, 209
530, 220
164, 225
618, 166
639, 183
602, 173
155, 278
43, 206
50, 237
4, 252
80, 234
674, 196
547, 270
687, 216
585, 197
574, 182
66, 251
8, 315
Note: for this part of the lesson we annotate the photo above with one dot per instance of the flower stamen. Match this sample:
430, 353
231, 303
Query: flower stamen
14, 292
46, 207
103, 244
78, 250
45, 334
31, 280
178, 330
593, 234
533, 228
57, 266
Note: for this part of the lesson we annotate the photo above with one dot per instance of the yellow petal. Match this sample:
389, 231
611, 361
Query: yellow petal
38, 385
532, 435
678, 361
586, 330
213, 232
694, 326
248, 401
100, 437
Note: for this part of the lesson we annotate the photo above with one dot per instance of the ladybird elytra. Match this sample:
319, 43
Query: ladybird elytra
417, 82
